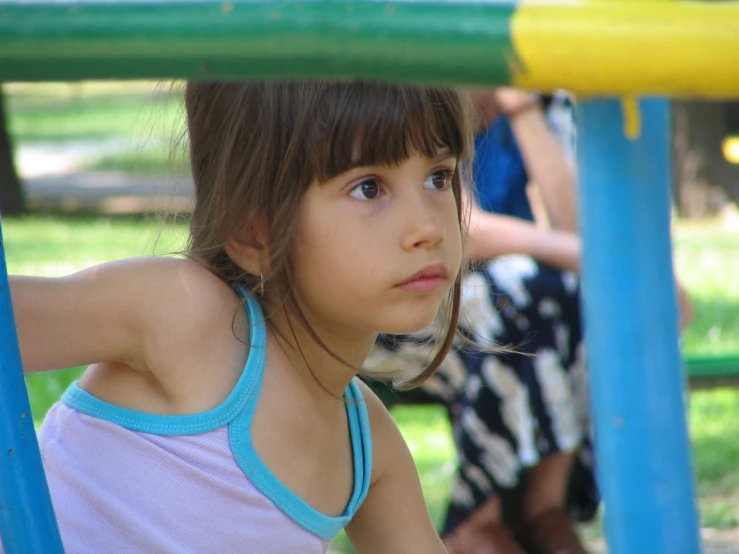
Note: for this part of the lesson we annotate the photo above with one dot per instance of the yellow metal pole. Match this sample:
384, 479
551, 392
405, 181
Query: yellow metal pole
617, 47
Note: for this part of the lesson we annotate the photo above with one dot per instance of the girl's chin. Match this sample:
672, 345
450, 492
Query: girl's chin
410, 327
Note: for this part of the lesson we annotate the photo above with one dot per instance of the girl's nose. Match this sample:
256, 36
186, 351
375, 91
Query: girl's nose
424, 227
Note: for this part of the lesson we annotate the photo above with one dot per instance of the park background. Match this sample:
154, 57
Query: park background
97, 160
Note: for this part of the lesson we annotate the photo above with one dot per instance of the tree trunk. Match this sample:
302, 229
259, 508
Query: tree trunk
12, 197
704, 181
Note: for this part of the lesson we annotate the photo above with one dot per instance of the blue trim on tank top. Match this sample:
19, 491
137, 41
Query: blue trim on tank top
326, 527
237, 412
191, 424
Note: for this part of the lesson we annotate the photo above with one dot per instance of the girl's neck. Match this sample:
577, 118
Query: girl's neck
312, 363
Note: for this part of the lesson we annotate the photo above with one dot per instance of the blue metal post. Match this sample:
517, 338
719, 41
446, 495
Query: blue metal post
632, 332
27, 522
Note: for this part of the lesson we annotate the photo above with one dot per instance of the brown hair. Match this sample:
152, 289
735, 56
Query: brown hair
256, 147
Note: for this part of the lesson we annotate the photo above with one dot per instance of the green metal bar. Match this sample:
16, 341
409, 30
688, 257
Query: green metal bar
712, 366
452, 43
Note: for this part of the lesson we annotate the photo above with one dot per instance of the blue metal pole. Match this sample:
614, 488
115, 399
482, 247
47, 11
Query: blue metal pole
27, 522
632, 332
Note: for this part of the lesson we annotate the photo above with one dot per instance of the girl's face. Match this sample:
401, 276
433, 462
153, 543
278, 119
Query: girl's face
378, 248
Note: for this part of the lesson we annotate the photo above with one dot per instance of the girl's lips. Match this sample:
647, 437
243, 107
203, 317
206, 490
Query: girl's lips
428, 279
423, 284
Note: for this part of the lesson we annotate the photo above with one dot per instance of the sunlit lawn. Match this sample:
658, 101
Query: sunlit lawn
147, 118
708, 264
56, 112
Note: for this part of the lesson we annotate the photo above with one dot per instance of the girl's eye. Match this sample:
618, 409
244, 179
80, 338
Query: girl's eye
440, 179
366, 190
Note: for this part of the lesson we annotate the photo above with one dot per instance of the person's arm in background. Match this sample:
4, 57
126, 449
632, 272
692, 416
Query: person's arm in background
491, 235
547, 163
552, 168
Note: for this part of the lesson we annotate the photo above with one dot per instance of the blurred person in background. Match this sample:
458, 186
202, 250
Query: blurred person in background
520, 418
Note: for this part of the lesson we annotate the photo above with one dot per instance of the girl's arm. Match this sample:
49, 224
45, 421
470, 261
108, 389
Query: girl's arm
492, 235
75, 320
393, 519
129, 312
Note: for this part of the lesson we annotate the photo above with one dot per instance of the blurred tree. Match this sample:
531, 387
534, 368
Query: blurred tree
704, 181
12, 197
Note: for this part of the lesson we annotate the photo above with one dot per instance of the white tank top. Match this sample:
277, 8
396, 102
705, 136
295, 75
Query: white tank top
126, 481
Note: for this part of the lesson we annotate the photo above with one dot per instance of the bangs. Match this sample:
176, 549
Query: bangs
366, 124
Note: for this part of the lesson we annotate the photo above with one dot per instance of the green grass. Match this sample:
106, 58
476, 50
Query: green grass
158, 160
707, 262
428, 433
92, 111
146, 118
713, 417
58, 245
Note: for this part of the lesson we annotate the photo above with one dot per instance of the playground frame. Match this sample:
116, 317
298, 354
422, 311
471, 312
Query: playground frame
607, 51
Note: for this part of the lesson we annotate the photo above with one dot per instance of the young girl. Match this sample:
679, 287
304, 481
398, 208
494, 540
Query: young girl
220, 411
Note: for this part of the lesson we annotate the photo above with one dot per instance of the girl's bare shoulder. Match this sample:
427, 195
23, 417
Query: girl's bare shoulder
159, 301
181, 282
187, 329
180, 295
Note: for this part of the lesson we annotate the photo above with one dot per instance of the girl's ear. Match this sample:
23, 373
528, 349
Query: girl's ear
250, 249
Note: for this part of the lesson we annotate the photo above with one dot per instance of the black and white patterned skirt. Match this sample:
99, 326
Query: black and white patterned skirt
508, 410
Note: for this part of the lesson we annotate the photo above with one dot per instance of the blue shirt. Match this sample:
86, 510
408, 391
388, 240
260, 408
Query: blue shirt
499, 171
